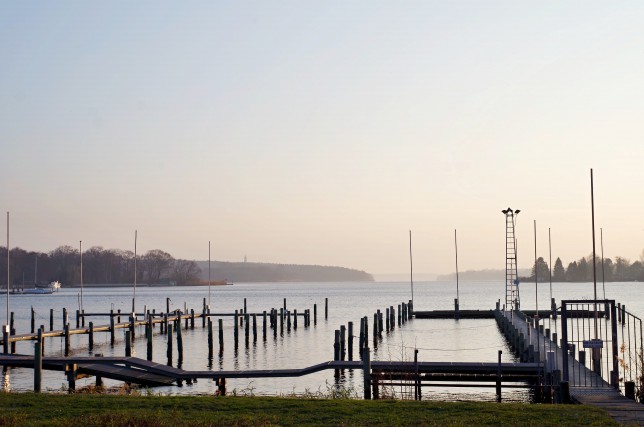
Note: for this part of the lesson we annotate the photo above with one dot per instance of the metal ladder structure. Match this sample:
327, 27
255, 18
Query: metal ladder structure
512, 300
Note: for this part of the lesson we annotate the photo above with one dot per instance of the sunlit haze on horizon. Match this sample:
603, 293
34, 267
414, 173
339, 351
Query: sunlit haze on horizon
322, 132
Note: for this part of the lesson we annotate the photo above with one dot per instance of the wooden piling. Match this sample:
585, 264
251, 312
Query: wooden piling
326, 308
366, 332
179, 343
350, 340
399, 316
246, 328
343, 336
281, 321
288, 320
236, 331
149, 338
294, 319
210, 340
315, 314
71, 370
221, 336
38, 363
77, 319
192, 318
51, 319
83, 318
5, 338
112, 327
361, 338
169, 341
387, 320
254, 327
91, 336
284, 304
65, 317
128, 343
66, 339
264, 325
336, 345
366, 373
33, 320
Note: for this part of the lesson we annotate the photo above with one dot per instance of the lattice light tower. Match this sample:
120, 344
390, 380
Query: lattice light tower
512, 299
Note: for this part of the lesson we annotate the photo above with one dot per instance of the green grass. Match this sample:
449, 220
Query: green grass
88, 410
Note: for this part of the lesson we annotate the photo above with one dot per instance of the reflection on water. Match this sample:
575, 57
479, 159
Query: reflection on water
6, 386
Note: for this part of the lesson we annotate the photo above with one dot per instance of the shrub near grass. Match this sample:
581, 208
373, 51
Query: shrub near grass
18, 409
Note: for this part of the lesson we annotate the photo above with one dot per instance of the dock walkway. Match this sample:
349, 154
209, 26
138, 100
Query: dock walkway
586, 386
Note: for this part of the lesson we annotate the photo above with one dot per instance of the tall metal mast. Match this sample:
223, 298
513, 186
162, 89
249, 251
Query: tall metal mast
512, 300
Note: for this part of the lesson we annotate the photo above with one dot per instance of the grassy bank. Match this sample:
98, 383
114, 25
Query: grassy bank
113, 410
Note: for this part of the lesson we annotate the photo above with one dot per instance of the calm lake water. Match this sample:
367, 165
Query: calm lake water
436, 340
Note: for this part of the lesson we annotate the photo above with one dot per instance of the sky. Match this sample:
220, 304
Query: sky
322, 132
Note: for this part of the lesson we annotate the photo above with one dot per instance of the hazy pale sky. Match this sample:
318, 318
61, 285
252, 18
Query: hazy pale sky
321, 132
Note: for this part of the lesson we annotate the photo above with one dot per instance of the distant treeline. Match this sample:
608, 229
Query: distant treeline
620, 270
115, 266
100, 266
262, 272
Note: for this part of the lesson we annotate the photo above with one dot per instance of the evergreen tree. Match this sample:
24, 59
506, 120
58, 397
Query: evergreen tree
559, 273
541, 269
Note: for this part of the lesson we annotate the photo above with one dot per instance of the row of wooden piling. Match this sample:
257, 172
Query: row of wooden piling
343, 340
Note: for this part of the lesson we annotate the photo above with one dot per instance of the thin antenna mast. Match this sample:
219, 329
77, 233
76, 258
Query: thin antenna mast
456, 250
411, 270
592, 208
601, 239
134, 299
8, 275
80, 251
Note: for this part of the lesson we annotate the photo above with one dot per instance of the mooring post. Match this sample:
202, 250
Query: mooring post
12, 331
366, 331
165, 323
169, 341
387, 320
38, 363
149, 338
285, 304
350, 340
67, 339
236, 330
498, 378
315, 314
361, 339
33, 320
326, 308
71, 369
221, 386
246, 328
336, 345
343, 335
83, 318
264, 325
288, 320
210, 341
186, 318
294, 319
128, 343
5, 339
179, 343
42, 328
254, 327
375, 327
77, 319
65, 317
132, 326
399, 316
203, 314
167, 305
192, 318
91, 336
392, 320
366, 373
221, 336
51, 319
281, 321
112, 327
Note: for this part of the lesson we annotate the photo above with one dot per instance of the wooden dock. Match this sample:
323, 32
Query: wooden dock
585, 387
